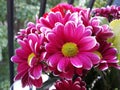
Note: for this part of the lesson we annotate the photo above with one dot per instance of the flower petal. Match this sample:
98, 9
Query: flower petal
63, 64
21, 53
16, 59
37, 82
35, 72
51, 48
93, 57
24, 45
103, 66
22, 66
87, 43
69, 30
79, 31
112, 61
76, 62
20, 74
87, 64
45, 22
33, 37
52, 18
54, 59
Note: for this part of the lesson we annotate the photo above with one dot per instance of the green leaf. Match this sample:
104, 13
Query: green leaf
113, 78
103, 20
115, 26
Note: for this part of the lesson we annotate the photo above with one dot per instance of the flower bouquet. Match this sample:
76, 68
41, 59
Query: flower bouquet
76, 47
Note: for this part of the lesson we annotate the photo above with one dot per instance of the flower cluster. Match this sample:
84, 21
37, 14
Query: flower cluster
77, 84
110, 12
65, 42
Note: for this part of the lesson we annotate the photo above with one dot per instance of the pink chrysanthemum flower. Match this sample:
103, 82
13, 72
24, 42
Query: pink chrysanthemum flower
63, 8
29, 58
77, 84
54, 18
108, 56
100, 31
71, 46
59, 14
104, 33
110, 12
31, 28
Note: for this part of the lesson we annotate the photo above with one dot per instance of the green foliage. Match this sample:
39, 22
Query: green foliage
100, 3
4, 85
97, 4
103, 20
3, 39
3, 10
103, 80
52, 3
26, 10
81, 4
3, 35
4, 71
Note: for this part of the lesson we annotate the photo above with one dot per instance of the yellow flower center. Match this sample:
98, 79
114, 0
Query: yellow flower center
30, 57
69, 49
99, 54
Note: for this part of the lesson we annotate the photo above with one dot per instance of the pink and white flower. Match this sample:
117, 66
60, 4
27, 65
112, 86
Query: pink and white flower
110, 12
72, 46
31, 28
30, 58
77, 84
54, 18
108, 56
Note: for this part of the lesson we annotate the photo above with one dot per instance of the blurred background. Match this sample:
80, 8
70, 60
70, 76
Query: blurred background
24, 11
